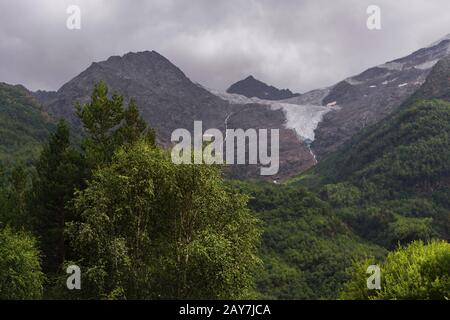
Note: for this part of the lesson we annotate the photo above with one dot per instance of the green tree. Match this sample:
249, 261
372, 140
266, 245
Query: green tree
152, 229
418, 271
109, 125
60, 170
20, 271
14, 197
134, 127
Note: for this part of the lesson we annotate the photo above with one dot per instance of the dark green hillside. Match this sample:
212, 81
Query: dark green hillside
392, 183
305, 248
388, 186
407, 152
23, 126
410, 152
437, 85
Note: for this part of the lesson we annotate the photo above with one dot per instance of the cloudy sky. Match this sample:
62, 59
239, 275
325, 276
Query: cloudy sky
296, 44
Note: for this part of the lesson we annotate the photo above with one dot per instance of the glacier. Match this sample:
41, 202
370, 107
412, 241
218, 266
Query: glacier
302, 118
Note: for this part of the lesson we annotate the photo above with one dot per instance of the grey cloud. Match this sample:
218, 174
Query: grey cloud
299, 45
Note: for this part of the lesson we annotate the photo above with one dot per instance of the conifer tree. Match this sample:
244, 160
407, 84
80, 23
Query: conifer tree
60, 170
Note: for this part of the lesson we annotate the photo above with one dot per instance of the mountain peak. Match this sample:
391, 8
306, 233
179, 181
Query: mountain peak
146, 68
251, 87
137, 58
166, 98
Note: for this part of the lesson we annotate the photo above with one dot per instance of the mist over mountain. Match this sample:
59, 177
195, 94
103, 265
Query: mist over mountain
312, 124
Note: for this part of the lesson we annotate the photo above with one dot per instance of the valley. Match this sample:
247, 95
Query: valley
363, 175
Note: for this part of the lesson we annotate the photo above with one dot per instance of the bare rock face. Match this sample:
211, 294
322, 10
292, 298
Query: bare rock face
253, 88
437, 84
294, 154
168, 100
367, 98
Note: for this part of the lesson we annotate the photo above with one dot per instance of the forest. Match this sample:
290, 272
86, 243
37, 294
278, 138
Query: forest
141, 227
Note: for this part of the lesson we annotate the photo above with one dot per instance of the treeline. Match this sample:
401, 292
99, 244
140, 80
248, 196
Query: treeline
392, 183
138, 226
310, 251
141, 227
24, 127
305, 247
391, 186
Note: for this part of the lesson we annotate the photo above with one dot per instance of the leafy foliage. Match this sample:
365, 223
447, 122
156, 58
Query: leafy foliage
141, 227
418, 271
20, 271
305, 246
109, 125
391, 183
14, 192
60, 170
152, 229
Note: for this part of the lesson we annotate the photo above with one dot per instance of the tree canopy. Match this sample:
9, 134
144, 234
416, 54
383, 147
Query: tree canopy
153, 229
419, 271
20, 271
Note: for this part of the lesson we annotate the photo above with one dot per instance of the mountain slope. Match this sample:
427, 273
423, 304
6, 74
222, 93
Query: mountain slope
399, 176
369, 97
412, 139
388, 185
253, 88
312, 125
168, 100
356, 102
437, 84
305, 247
391, 182
23, 125
409, 151
166, 97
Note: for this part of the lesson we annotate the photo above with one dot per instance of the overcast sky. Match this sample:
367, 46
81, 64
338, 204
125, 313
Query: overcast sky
297, 44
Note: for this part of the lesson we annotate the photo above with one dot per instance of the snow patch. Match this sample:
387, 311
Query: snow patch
314, 97
234, 98
392, 66
426, 65
353, 82
403, 84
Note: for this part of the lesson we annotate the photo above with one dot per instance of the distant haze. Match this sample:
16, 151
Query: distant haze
300, 45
